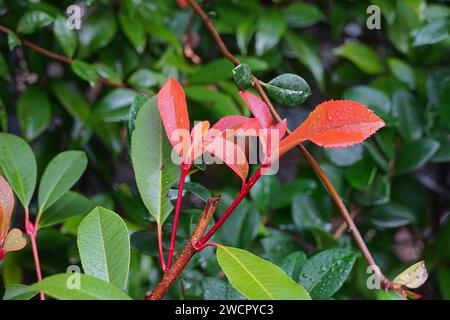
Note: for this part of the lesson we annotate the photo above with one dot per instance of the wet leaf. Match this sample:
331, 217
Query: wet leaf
288, 89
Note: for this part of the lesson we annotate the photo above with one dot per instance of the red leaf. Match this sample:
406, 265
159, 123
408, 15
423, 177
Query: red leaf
197, 146
182, 3
230, 122
173, 109
230, 154
258, 108
335, 124
6, 208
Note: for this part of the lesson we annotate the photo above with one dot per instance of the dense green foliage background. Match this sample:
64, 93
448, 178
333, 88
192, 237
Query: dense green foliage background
397, 183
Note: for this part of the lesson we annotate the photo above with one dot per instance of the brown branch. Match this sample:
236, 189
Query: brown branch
332, 191
175, 271
56, 56
343, 226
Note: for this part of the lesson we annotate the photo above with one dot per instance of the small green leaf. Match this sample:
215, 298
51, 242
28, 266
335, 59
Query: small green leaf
256, 278
145, 79
108, 73
391, 215
19, 292
406, 109
113, 107
64, 286
34, 112
199, 190
61, 174
415, 154
301, 15
293, 264
433, 32
85, 71
104, 246
242, 76
288, 89
325, 273
361, 174
402, 71
364, 57
33, 20
270, 28
345, 157
375, 99
72, 100
134, 29
65, 37
220, 104
13, 41
153, 167
306, 213
69, 205
18, 164
379, 192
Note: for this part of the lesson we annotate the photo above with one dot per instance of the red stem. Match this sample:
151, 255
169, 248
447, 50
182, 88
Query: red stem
199, 245
183, 174
160, 248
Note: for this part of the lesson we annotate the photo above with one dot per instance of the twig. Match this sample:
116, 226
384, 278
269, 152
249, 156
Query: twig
333, 193
343, 226
175, 271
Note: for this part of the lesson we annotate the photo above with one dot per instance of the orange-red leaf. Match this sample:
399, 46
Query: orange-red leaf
230, 122
258, 108
335, 124
230, 154
173, 109
6, 207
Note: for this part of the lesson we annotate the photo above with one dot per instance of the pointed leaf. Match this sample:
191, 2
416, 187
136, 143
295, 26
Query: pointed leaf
19, 167
256, 278
104, 246
258, 108
154, 169
33, 20
173, 110
335, 124
59, 286
6, 207
65, 37
61, 174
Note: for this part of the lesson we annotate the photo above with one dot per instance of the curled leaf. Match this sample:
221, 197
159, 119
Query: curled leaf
6, 207
335, 124
414, 276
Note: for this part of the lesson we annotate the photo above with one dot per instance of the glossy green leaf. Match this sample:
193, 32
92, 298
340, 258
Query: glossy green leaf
269, 29
433, 32
361, 175
18, 164
65, 37
256, 278
364, 57
104, 246
138, 102
34, 112
13, 41
375, 99
64, 286
72, 100
85, 71
345, 157
402, 71
69, 205
390, 216
307, 55
406, 109
220, 104
325, 273
288, 89
151, 157
301, 15
19, 292
415, 154
108, 73
293, 264
216, 289
61, 174
98, 30
242, 76
114, 107
306, 213
33, 20
145, 79
134, 29
199, 190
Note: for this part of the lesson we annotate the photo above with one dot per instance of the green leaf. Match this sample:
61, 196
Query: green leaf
293, 264
345, 157
390, 215
256, 278
402, 71
270, 28
216, 289
307, 56
134, 29
13, 41
151, 157
33, 20
199, 190
406, 110
362, 56
98, 30
61, 174
34, 112
85, 71
108, 73
4, 70
242, 76
375, 99
138, 102
264, 192
64, 287
306, 213
379, 192
361, 175
325, 273
3, 117
301, 15
288, 89
145, 79
19, 292
18, 164
220, 104
71, 100
415, 154
114, 107
65, 37
433, 32
104, 246
69, 205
